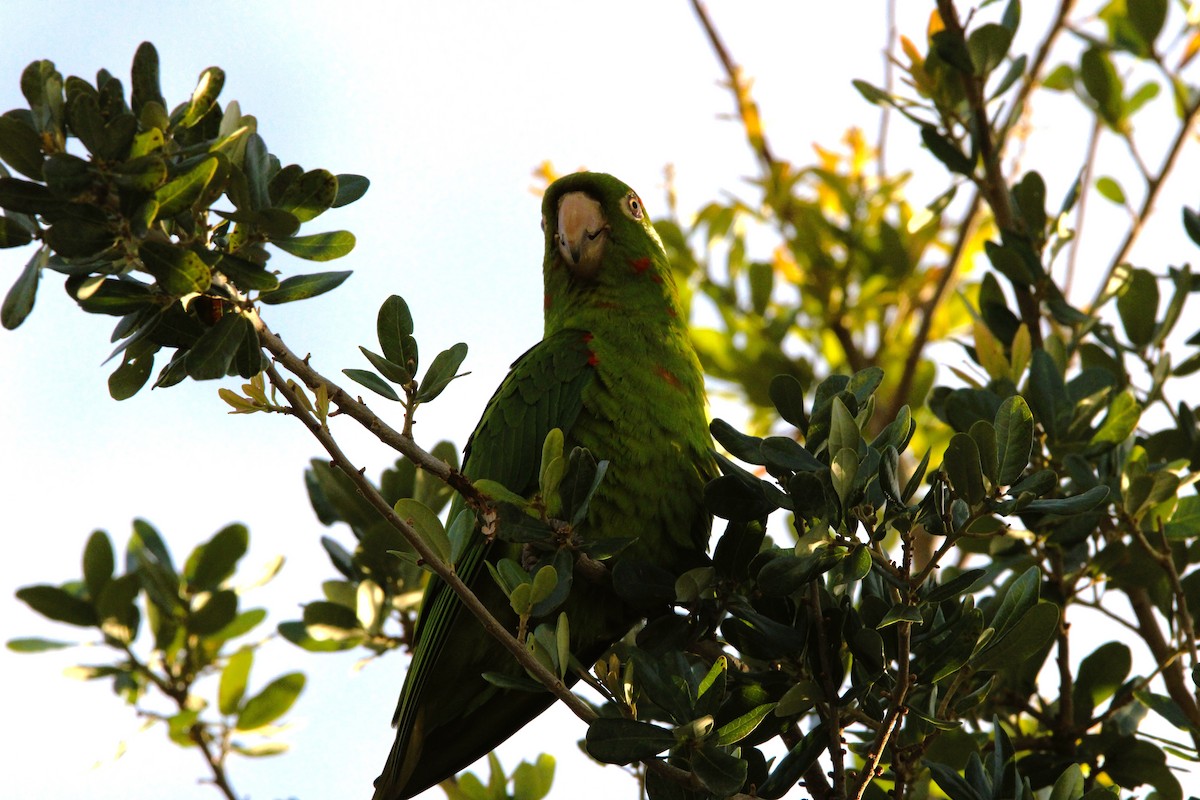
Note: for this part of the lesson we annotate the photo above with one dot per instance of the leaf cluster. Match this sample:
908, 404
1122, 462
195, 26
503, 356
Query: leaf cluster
118, 195
170, 628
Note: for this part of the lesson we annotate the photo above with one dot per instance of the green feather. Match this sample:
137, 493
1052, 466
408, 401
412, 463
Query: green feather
616, 373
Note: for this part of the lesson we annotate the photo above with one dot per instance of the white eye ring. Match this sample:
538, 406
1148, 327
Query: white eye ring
633, 206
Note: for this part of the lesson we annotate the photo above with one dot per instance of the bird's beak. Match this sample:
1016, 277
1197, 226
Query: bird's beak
582, 233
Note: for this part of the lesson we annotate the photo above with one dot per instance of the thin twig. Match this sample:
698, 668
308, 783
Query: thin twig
747, 108
1153, 188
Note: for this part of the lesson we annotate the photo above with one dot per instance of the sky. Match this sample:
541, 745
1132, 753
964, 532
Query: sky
448, 109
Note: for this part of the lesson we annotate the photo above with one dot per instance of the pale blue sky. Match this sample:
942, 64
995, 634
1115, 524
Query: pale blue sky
447, 108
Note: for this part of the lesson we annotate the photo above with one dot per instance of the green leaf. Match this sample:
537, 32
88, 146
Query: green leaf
21, 147
962, 466
787, 395
1103, 85
215, 560
1014, 439
442, 370
310, 195
426, 524
177, 270
1120, 422
1110, 190
98, 562
721, 773
212, 612
80, 236
533, 781
1099, 676
212, 354
302, 287
35, 645
1191, 222
181, 193
955, 586
392, 372
19, 300
271, 703
350, 188
144, 85
212, 80
1147, 18
1075, 504
623, 741
988, 45
13, 233
1024, 638
318, 246
946, 151
233, 681
1069, 785
739, 728
59, 605
1138, 307
394, 328
364, 377
137, 362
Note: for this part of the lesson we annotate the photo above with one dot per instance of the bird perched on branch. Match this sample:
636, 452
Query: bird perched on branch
615, 372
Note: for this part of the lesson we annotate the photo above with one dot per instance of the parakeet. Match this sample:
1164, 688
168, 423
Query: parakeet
615, 372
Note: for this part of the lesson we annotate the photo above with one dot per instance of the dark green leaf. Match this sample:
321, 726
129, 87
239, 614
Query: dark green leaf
1014, 439
98, 562
182, 191
271, 703
350, 188
137, 362
59, 605
442, 370
310, 195
393, 372
787, 395
721, 773
27, 198
79, 236
1138, 306
21, 147
302, 287
988, 45
373, 382
215, 560
962, 466
318, 246
946, 151
177, 270
955, 586
211, 356
623, 741
1024, 638
144, 86
1075, 504
19, 300
1103, 85
213, 612
209, 86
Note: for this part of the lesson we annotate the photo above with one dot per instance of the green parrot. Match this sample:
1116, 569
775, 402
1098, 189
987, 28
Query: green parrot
617, 374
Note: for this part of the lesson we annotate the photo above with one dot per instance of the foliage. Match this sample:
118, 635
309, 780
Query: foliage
195, 631
890, 601
133, 227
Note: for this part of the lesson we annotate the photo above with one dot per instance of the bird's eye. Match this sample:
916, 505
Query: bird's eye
543, 223
633, 206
